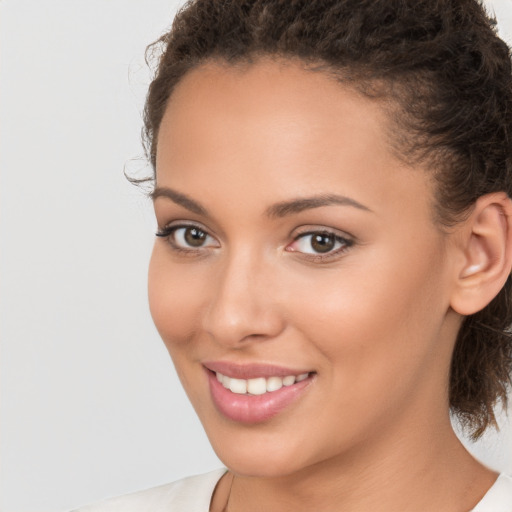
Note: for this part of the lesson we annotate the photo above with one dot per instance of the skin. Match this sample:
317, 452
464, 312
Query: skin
374, 321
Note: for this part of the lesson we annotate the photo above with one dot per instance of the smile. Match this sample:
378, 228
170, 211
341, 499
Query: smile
255, 393
260, 385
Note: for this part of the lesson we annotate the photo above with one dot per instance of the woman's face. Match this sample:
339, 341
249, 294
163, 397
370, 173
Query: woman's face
296, 245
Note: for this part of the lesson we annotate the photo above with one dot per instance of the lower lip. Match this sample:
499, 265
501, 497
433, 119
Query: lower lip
254, 408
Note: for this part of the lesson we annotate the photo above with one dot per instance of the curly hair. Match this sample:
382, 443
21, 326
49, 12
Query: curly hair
446, 73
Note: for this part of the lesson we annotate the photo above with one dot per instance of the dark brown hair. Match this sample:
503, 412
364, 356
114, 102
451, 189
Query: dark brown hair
448, 75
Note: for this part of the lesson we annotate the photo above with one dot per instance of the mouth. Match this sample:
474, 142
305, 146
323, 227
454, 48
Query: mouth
258, 385
255, 393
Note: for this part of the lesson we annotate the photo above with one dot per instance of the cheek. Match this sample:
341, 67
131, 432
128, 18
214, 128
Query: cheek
174, 298
377, 323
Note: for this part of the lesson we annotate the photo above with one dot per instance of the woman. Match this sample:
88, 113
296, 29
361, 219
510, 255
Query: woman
331, 269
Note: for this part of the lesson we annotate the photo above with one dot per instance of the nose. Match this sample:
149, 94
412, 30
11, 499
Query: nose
242, 306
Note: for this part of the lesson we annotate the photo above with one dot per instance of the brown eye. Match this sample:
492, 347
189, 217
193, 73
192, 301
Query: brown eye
322, 242
194, 237
188, 238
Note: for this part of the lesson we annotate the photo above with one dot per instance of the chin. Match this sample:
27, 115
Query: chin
262, 466
260, 454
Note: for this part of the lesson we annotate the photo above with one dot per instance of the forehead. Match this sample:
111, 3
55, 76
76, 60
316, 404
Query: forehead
277, 100
274, 128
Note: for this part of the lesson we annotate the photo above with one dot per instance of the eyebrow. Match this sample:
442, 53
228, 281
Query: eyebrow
179, 198
277, 210
298, 205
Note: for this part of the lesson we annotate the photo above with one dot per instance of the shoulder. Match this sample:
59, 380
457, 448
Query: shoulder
192, 494
498, 497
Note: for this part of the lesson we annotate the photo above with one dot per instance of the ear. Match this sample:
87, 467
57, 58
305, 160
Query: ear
486, 243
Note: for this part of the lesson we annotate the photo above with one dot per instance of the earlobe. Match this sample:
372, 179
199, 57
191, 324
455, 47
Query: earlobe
487, 254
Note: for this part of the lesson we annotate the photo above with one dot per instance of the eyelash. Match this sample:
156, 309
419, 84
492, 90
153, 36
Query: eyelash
169, 232
345, 242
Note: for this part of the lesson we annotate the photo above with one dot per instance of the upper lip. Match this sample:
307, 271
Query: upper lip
252, 370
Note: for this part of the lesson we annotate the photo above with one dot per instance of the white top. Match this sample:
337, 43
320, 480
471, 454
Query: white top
193, 494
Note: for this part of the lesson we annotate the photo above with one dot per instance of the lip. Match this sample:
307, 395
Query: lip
252, 371
250, 409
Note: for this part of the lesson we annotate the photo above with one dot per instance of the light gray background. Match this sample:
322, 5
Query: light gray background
90, 404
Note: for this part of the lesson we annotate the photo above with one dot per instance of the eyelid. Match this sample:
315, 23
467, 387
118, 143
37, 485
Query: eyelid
169, 229
175, 224
311, 229
347, 240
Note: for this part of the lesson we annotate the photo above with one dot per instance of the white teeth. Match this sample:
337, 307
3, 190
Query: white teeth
238, 386
259, 385
226, 381
274, 383
289, 380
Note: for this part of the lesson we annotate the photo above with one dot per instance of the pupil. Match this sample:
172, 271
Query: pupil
194, 237
322, 243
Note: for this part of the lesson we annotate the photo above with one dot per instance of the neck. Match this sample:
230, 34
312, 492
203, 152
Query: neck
415, 471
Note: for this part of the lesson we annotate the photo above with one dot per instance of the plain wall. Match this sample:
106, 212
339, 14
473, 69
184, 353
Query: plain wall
90, 404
